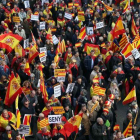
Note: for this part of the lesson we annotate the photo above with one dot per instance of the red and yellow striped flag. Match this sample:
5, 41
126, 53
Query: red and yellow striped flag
82, 33
127, 6
78, 44
108, 8
20, 50
128, 131
99, 90
44, 123
27, 69
134, 29
126, 51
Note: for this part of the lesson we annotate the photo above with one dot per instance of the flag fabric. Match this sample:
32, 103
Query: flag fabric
27, 69
82, 33
99, 90
127, 7
116, 127
33, 40
20, 50
119, 28
126, 51
78, 44
94, 107
130, 97
138, 44
128, 131
88, 47
9, 41
44, 123
72, 125
27, 121
32, 53
108, 8
13, 90
23, 138
134, 29
136, 39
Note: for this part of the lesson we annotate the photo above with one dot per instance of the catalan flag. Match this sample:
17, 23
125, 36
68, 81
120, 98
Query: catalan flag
88, 47
127, 7
123, 41
32, 53
128, 131
82, 33
137, 37
134, 29
119, 28
44, 123
108, 8
27, 121
126, 51
27, 69
61, 47
9, 41
13, 90
99, 90
130, 97
20, 50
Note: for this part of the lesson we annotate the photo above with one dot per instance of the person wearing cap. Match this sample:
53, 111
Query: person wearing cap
9, 134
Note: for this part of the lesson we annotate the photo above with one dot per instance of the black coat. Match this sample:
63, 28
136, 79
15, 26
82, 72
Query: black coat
137, 84
87, 63
5, 136
98, 130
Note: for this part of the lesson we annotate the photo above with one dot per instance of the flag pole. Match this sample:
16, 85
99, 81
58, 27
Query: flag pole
75, 137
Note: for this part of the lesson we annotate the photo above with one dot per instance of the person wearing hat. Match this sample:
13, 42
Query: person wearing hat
9, 134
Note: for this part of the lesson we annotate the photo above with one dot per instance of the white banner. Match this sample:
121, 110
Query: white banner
90, 31
43, 59
70, 87
68, 16
54, 119
55, 40
42, 25
24, 129
57, 91
135, 53
129, 138
26, 4
43, 49
99, 25
61, 79
26, 43
35, 17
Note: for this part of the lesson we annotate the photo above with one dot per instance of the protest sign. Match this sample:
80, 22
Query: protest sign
89, 30
42, 25
99, 25
57, 91
55, 40
43, 49
24, 129
35, 17
42, 57
135, 53
54, 119
70, 87
26, 43
58, 109
61, 79
16, 19
68, 15
27, 4
129, 138
59, 72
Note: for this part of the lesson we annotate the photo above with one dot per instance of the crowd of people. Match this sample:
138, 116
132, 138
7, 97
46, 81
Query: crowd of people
102, 76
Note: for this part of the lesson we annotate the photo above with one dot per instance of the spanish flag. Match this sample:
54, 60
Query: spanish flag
9, 41
20, 50
27, 69
27, 121
88, 47
126, 51
72, 125
127, 7
119, 28
116, 127
108, 8
33, 40
32, 53
128, 131
82, 33
78, 44
130, 97
134, 29
13, 90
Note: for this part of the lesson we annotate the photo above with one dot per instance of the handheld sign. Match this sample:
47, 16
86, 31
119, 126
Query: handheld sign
43, 49
68, 16
89, 30
70, 87
99, 25
42, 25
26, 43
129, 138
135, 53
61, 79
35, 17
54, 119
26, 4
24, 129
58, 110
57, 91
55, 40
42, 57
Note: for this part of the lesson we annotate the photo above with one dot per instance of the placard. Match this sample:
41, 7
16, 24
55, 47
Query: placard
42, 57
57, 91
58, 110
54, 119
16, 19
55, 40
24, 129
35, 17
26, 43
61, 79
26, 4
99, 25
70, 87
129, 138
68, 16
57, 72
43, 49
90, 31
135, 53
42, 25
